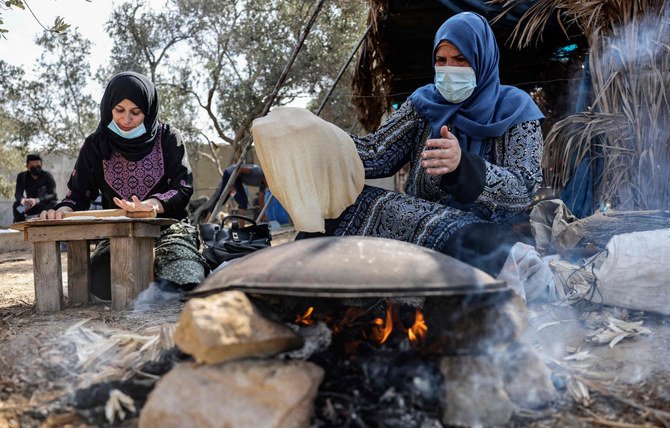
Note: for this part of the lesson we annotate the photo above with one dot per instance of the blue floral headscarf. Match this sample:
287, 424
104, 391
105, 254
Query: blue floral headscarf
492, 108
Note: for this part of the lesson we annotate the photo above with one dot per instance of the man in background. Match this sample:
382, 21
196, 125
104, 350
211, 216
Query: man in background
250, 175
35, 190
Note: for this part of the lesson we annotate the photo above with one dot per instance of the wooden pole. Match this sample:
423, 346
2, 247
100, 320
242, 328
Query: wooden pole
342, 70
266, 108
324, 101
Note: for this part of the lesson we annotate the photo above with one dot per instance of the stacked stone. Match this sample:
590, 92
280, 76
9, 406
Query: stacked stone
232, 383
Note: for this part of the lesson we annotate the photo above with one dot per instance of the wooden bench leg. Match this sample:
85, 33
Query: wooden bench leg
48, 277
132, 267
77, 272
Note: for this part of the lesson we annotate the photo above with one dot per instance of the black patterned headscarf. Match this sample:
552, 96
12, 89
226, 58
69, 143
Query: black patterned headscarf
138, 89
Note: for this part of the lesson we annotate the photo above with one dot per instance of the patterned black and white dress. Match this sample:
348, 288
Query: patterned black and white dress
491, 188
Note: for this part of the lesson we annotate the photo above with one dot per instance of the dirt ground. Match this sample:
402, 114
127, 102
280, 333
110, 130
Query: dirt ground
626, 385
34, 362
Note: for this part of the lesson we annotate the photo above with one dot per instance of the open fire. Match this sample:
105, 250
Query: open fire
376, 330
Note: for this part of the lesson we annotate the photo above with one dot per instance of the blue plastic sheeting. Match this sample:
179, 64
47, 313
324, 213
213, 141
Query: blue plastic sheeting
579, 191
275, 210
563, 53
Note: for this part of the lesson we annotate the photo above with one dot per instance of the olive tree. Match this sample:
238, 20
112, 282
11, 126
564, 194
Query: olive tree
216, 62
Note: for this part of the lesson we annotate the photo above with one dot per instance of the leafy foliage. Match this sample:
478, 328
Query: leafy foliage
59, 26
214, 63
11, 129
8, 4
53, 110
61, 105
224, 57
15, 126
13, 161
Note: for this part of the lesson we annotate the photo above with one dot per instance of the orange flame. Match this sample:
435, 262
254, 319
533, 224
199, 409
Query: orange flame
418, 331
305, 319
381, 329
377, 331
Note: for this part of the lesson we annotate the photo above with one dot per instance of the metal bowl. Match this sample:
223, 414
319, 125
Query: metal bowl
349, 267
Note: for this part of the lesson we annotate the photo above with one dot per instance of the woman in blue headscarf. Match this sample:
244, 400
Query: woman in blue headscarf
473, 146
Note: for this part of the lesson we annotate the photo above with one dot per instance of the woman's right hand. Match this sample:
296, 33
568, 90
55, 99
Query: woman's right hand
55, 214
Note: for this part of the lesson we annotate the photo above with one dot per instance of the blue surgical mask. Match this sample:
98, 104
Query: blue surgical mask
133, 133
455, 84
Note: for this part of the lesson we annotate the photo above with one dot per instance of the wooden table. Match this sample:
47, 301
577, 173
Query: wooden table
131, 251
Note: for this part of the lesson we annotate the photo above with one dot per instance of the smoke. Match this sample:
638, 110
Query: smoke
630, 68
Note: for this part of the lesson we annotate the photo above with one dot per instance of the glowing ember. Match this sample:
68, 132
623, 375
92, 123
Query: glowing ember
418, 331
305, 319
382, 329
350, 316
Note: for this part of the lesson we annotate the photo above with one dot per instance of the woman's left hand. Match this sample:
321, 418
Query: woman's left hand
443, 154
136, 205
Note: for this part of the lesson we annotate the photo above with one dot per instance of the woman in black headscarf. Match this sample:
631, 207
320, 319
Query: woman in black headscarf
139, 164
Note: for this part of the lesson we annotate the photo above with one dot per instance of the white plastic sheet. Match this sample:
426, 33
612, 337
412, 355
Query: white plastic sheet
529, 274
634, 271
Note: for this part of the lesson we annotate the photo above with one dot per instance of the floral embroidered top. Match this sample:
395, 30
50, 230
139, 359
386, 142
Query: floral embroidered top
164, 173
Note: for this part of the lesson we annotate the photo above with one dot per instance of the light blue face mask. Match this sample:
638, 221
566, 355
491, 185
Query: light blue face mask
455, 84
133, 133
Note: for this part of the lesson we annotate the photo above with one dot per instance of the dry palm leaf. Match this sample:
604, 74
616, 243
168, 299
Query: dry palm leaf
373, 75
573, 282
105, 353
579, 356
579, 391
617, 330
628, 128
117, 405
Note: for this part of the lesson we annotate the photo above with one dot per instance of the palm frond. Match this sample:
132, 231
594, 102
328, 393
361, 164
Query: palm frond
628, 128
372, 76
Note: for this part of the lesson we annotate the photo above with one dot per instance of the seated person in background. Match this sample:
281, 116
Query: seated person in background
473, 146
139, 164
250, 175
35, 190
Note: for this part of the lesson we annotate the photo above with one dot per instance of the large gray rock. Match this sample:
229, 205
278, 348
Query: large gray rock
227, 326
238, 394
526, 378
473, 393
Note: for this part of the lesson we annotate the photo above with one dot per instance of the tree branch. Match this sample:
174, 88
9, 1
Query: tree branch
75, 99
171, 43
207, 108
214, 156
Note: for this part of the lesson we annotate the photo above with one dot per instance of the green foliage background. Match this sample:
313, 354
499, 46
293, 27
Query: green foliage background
214, 62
